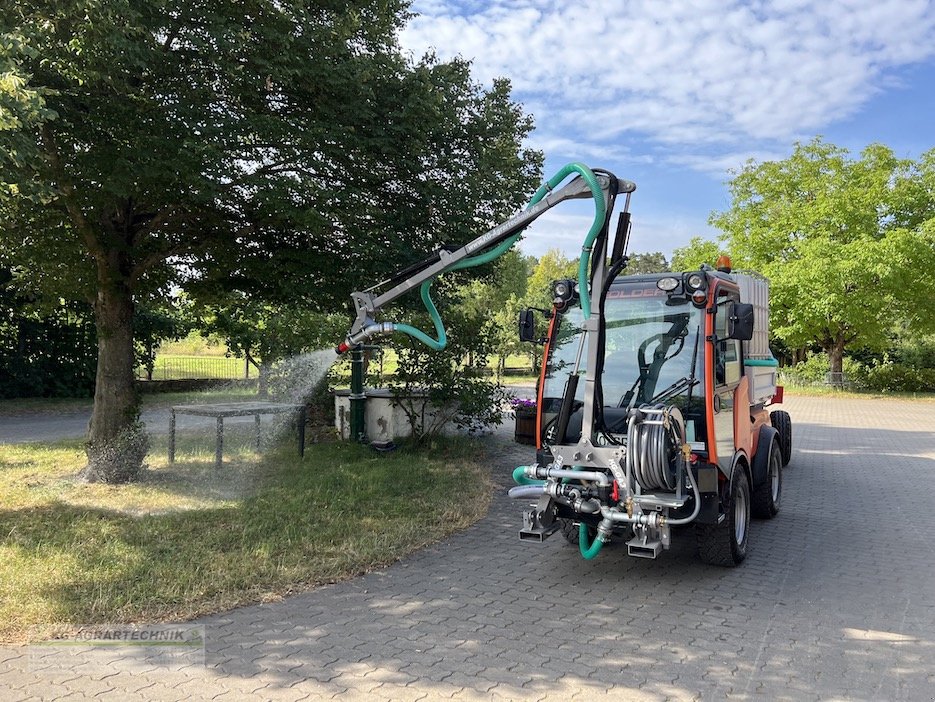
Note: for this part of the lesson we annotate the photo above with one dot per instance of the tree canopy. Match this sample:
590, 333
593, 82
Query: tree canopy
647, 262
696, 252
286, 150
847, 243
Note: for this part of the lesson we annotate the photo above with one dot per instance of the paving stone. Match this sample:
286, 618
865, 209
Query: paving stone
833, 602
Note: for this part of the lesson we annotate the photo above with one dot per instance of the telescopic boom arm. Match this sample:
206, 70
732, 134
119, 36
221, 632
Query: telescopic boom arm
484, 248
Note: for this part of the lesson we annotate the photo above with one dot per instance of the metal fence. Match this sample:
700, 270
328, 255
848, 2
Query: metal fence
197, 368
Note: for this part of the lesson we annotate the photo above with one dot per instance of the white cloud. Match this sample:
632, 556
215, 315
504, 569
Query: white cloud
705, 72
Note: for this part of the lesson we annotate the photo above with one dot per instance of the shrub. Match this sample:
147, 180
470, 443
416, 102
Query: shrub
897, 377
815, 368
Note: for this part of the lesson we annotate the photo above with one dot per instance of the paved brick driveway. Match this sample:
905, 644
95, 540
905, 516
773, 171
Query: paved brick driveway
835, 601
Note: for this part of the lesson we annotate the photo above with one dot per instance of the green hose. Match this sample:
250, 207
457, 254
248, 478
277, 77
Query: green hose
600, 211
442, 340
588, 551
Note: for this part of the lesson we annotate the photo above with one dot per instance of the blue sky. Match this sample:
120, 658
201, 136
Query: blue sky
673, 95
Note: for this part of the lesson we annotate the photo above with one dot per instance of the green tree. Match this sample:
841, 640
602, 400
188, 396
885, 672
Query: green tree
265, 333
654, 262
694, 253
279, 149
847, 243
155, 321
552, 265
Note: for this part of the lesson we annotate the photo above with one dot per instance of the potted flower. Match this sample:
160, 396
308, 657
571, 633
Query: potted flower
525, 413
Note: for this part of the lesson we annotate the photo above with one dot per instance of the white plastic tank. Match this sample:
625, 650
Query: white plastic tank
754, 289
759, 365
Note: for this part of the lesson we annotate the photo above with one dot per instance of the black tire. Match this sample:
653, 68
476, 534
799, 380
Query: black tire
782, 423
569, 530
768, 496
725, 544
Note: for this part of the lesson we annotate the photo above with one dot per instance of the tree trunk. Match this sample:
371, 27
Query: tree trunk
836, 359
117, 442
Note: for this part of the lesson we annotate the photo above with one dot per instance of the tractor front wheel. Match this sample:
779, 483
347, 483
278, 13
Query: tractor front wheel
725, 543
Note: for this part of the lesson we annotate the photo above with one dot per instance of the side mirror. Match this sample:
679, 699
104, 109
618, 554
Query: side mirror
527, 325
740, 321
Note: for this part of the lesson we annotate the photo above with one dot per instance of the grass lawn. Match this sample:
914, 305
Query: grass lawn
188, 540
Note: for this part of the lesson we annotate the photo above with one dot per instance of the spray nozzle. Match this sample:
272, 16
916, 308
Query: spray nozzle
364, 334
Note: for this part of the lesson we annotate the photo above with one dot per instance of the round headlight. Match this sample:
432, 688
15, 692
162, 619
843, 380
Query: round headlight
695, 281
667, 284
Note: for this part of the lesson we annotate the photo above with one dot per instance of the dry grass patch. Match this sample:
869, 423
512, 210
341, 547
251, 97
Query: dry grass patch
187, 540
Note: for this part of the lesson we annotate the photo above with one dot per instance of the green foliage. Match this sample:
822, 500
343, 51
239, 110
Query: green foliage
692, 255
897, 377
282, 151
815, 368
155, 323
654, 262
886, 376
45, 350
552, 265
847, 243
437, 387
918, 352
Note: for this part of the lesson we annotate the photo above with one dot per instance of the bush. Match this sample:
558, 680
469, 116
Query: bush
814, 370
52, 354
435, 388
897, 377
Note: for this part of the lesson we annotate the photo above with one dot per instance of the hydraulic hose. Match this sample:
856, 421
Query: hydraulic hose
435, 344
600, 212
522, 492
588, 547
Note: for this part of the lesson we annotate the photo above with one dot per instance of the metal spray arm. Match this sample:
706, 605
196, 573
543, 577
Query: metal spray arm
367, 305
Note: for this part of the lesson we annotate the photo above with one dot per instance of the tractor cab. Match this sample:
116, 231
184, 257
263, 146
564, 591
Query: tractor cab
666, 339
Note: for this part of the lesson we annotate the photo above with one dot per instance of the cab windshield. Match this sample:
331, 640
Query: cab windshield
652, 352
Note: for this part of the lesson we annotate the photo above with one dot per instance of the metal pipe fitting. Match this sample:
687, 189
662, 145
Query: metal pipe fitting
546, 472
652, 519
360, 337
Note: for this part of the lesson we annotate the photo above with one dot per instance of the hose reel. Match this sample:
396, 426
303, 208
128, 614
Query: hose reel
655, 436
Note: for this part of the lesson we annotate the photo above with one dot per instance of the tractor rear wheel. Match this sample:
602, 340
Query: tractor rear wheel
725, 543
782, 423
768, 495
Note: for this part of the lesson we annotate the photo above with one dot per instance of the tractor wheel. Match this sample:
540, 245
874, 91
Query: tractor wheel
725, 544
570, 531
782, 423
767, 497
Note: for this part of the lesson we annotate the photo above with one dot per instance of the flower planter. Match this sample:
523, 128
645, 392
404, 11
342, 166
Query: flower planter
525, 431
